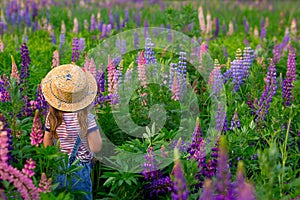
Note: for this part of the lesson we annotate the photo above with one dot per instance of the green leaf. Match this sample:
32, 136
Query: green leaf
109, 181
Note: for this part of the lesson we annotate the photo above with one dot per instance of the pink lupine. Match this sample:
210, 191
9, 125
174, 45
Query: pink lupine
63, 27
75, 28
55, 59
230, 28
294, 27
208, 23
45, 184
36, 135
111, 77
22, 183
142, 69
14, 70
201, 19
29, 167
89, 65
175, 89
203, 50
1, 46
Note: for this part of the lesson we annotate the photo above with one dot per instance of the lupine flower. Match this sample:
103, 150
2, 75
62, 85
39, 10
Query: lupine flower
103, 34
112, 85
36, 135
55, 59
14, 70
203, 50
217, 79
111, 20
263, 30
180, 145
208, 23
45, 184
29, 167
138, 19
108, 29
142, 69
62, 40
248, 58
181, 72
81, 45
146, 28
85, 25
1, 46
224, 28
246, 25
25, 63
290, 77
235, 121
75, 27
4, 84
159, 186
255, 32
268, 93
225, 53
180, 191
93, 23
63, 27
149, 167
230, 28
4, 127
22, 183
201, 19
223, 177
217, 28
75, 50
40, 101
245, 191
207, 190
294, 27
149, 55
175, 89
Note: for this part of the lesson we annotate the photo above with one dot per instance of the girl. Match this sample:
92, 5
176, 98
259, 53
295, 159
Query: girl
70, 92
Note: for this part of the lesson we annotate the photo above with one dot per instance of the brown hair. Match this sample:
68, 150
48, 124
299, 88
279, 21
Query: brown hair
56, 118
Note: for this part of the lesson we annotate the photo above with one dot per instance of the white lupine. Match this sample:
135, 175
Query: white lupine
209, 23
201, 19
75, 28
230, 28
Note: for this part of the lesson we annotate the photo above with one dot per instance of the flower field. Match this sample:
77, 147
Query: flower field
196, 99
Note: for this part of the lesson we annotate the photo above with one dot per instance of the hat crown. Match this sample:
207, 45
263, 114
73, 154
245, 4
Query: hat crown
69, 84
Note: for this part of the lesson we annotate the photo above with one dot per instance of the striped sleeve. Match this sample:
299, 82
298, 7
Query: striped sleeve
92, 124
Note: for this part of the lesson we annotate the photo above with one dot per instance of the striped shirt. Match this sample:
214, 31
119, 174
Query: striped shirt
68, 131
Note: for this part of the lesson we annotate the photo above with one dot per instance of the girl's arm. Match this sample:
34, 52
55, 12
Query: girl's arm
95, 141
48, 140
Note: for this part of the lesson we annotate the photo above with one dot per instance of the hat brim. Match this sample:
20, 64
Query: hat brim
73, 106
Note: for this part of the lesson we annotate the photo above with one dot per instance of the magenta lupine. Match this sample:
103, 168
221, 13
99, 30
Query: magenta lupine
36, 135
45, 184
180, 191
14, 70
175, 89
268, 93
25, 63
287, 85
55, 59
22, 183
75, 50
203, 50
142, 69
29, 167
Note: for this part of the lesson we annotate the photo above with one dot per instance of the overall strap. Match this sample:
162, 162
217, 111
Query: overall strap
72, 157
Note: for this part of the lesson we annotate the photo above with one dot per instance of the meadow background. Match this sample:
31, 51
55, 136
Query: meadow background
252, 48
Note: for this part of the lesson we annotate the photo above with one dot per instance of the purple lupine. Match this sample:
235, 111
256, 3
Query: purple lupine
224, 28
4, 94
181, 145
180, 191
136, 40
123, 47
181, 72
81, 45
276, 53
285, 41
287, 85
237, 74
248, 58
103, 31
40, 101
216, 34
93, 23
117, 17
75, 50
207, 192
223, 177
111, 20
149, 167
263, 31
138, 19
149, 53
100, 98
235, 121
62, 40
268, 93
225, 52
159, 186
53, 38
25, 63
126, 19
246, 25
217, 86
108, 29
169, 36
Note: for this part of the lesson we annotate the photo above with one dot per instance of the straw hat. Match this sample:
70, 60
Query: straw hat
69, 88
